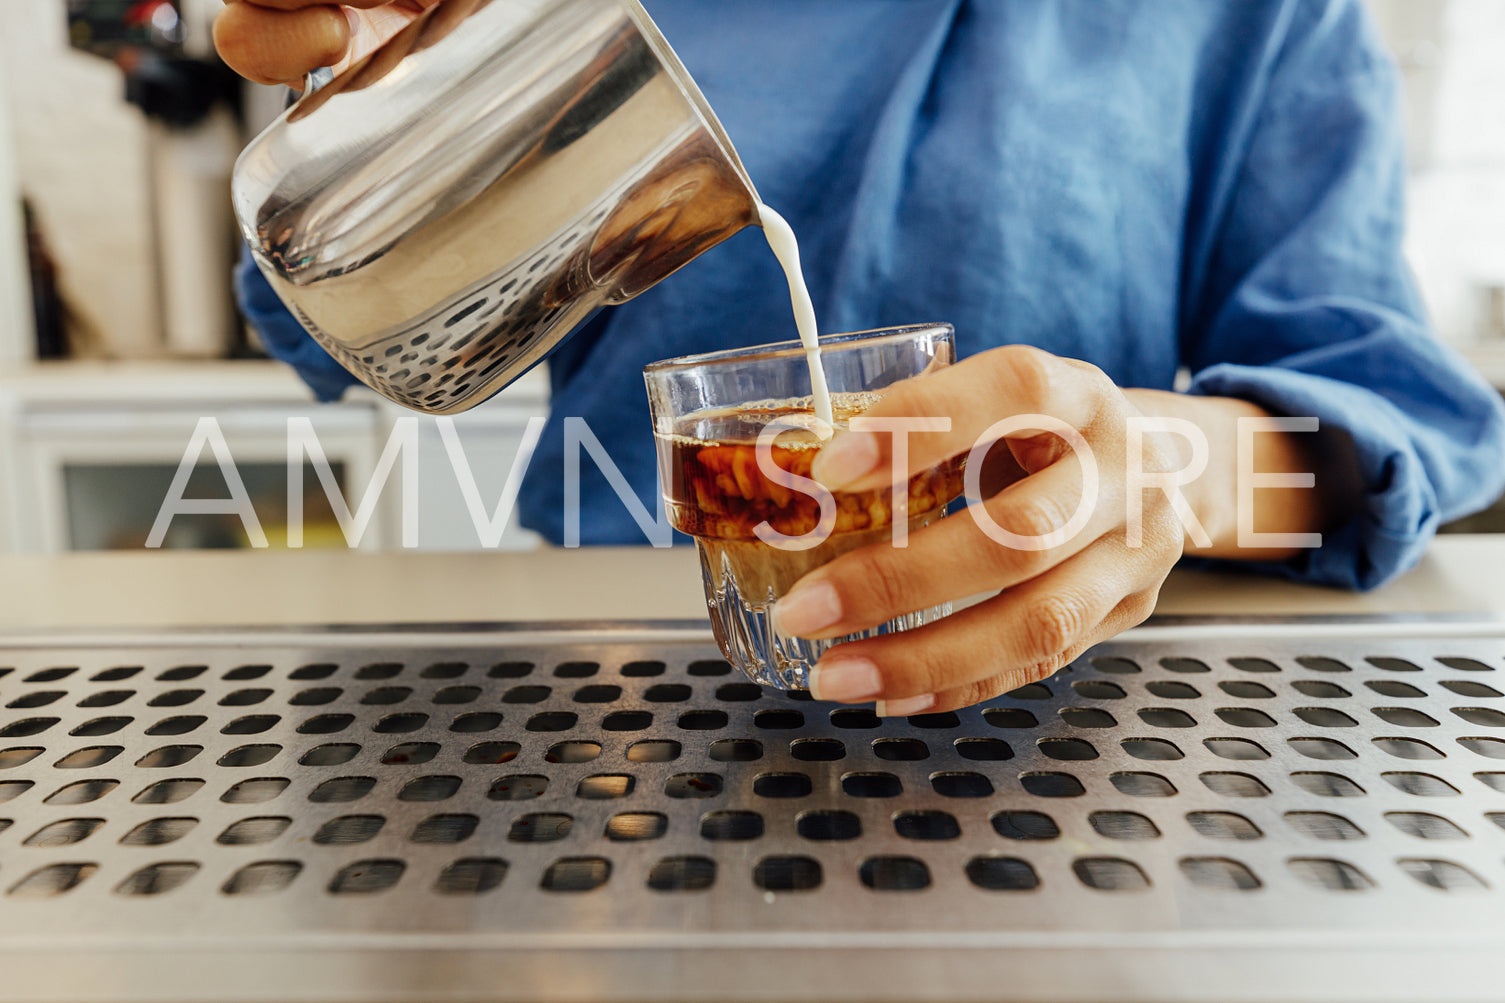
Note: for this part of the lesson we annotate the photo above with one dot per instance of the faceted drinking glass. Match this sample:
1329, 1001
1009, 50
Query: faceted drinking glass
758, 522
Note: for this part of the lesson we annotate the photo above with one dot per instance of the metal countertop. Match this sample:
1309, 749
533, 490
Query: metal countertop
1197, 811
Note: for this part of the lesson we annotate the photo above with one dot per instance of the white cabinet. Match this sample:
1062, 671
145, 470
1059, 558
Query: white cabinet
88, 453
494, 441
99, 475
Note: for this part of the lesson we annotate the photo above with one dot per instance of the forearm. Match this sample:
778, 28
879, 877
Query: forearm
1214, 496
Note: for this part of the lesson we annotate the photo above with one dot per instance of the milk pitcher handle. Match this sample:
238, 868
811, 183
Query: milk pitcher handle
312, 81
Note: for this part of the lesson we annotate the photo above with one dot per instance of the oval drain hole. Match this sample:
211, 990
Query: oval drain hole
158, 879
576, 874
366, 877
894, 874
250, 831
682, 874
1110, 874
731, 825
262, 878
787, 874
1331, 875
539, 827
173, 791
471, 876
635, 826
451, 828
1002, 874
1219, 873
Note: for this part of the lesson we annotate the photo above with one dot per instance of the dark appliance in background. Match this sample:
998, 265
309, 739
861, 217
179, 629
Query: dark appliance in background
109, 27
47, 306
191, 102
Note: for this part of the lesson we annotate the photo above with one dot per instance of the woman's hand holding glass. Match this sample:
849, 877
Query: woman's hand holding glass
1069, 569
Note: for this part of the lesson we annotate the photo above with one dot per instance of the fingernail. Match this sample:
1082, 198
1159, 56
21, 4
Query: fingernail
905, 707
806, 609
845, 680
353, 19
847, 457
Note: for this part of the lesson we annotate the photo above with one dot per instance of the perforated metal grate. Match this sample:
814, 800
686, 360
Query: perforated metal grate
574, 804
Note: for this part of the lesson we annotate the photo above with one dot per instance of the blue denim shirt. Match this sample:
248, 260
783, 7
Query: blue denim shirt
1143, 184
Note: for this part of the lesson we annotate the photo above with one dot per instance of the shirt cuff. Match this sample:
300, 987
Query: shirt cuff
1400, 512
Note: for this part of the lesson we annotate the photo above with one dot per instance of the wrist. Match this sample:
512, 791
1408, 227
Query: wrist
1202, 494
1214, 497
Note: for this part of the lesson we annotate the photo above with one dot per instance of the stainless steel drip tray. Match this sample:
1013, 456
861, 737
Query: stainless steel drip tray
1200, 812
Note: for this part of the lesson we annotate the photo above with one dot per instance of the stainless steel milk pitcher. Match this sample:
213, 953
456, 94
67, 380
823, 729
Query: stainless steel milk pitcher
448, 209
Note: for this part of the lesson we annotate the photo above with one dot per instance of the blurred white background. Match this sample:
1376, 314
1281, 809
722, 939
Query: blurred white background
88, 163
81, 155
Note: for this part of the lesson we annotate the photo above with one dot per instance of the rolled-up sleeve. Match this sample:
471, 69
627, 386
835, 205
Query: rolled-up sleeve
1304, 304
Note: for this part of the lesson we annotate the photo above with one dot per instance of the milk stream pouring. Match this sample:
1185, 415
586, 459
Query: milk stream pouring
443, 213
781, 239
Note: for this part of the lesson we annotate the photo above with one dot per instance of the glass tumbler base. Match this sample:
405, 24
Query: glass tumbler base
741, 620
